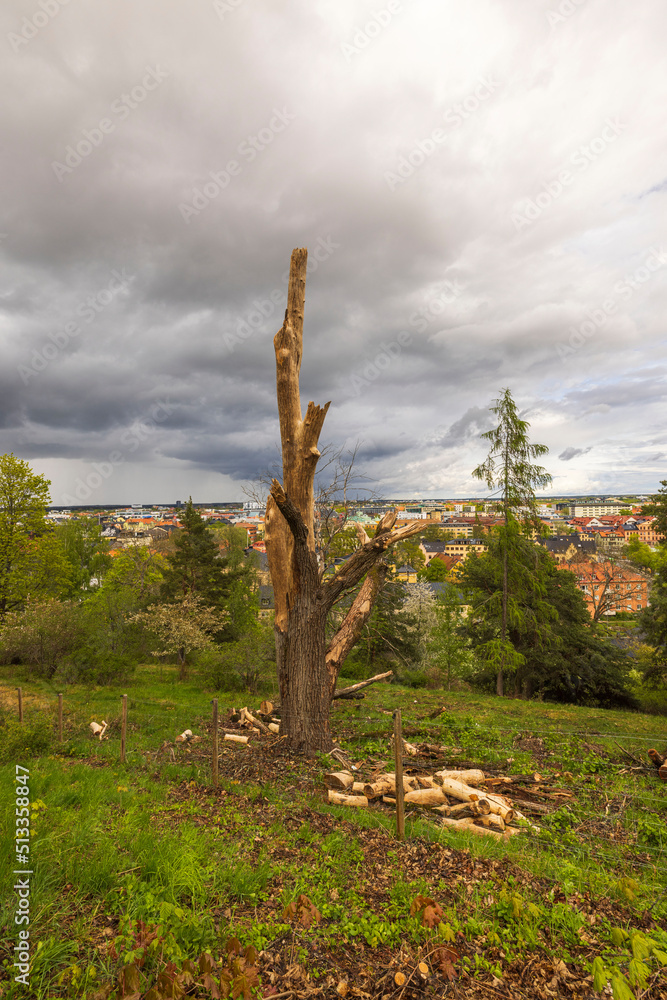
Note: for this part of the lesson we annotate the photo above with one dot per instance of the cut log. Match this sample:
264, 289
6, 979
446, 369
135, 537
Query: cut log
387, 783
501, 807
426, 797
266, 708
344, 692
98, 730
492, 822
340, 781
468, 826
425, 781
247, 718
464, 809
656, 758
274, 727
233, 738
358, 787
534, 807
663, 772
458, 790
339, 799
472, 776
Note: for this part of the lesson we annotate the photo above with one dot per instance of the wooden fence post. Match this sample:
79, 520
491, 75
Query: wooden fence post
214, 702
400, 791
123, 730
20, 704
60, 718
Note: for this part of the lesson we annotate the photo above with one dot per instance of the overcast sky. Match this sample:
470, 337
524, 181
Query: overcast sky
482, 188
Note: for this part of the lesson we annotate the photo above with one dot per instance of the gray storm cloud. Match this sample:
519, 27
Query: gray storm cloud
160, 162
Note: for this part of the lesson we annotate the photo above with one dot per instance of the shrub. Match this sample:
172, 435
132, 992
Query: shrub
42, 635
97, 666
24, 740
217, 671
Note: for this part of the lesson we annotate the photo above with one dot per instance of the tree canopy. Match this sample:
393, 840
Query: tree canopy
559, 653
30, 562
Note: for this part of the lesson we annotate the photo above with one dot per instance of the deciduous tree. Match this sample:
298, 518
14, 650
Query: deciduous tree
29, 561
182, 626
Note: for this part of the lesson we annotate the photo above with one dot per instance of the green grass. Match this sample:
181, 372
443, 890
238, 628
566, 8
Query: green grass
150, 841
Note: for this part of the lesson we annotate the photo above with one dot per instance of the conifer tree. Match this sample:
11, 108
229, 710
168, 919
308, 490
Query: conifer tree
508, 469
196, 567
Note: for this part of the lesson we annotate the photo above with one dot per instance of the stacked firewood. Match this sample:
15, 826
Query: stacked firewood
455, 796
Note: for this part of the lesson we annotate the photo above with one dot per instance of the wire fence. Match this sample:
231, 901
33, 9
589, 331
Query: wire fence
162, 721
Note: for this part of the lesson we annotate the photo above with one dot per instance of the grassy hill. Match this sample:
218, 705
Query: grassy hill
140, 870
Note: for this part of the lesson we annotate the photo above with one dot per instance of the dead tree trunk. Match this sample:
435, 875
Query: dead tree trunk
307, 666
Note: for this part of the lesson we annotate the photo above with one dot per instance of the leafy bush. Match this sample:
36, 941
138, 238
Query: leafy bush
97, 666
413, 677
239, 665
23, 741
218, 671
42, 635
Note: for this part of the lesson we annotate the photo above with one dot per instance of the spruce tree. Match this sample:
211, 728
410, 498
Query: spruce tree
508, 469
196, 567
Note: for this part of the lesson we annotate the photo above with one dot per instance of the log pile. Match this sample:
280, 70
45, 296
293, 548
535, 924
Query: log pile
464, 800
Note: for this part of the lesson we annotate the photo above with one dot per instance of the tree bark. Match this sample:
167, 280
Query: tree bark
307, 666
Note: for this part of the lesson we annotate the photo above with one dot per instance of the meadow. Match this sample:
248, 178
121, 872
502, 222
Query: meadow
148, 882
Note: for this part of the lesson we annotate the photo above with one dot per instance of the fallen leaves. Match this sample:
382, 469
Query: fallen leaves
430, 911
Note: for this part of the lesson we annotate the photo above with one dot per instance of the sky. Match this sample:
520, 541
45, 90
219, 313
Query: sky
482, 189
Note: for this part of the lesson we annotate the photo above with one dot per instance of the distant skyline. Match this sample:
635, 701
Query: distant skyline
482, 188
385, 500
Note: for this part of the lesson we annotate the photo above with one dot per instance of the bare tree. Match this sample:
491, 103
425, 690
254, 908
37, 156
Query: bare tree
308, 665
609, 586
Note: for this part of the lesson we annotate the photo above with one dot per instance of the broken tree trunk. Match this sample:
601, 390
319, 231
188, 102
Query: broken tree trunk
307, 666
